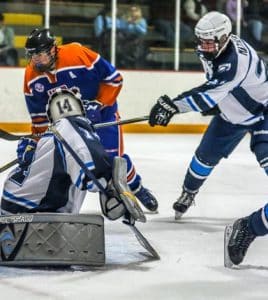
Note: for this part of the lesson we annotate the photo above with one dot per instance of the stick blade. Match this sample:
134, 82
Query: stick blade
143, 241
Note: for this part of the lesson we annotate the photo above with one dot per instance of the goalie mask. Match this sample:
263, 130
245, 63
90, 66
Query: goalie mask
41, 49
64, 103
213, 33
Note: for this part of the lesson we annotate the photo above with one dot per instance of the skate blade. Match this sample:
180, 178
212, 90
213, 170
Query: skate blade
178, 215
150, 212
227, 234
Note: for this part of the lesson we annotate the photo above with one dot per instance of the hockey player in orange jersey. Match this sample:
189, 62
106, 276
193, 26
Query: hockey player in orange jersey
99, 83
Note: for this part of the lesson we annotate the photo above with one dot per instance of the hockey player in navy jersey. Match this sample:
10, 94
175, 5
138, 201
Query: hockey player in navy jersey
74, 66
236, 93
49, 177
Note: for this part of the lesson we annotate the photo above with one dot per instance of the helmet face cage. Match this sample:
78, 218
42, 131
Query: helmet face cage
213, 32
64, 103
41, 41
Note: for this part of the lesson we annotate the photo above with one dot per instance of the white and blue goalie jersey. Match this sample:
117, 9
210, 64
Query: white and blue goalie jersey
54, 181
236, 83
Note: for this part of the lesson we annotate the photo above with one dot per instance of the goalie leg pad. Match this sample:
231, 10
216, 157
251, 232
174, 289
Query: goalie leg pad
44, 239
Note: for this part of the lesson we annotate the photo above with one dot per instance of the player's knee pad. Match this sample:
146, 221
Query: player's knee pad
261, 152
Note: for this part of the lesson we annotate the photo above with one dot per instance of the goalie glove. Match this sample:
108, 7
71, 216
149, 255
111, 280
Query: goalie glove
93, 110
162, 111
111, 203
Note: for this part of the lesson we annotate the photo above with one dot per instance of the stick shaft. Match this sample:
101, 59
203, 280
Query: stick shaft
121, 122
8, 165
14, 137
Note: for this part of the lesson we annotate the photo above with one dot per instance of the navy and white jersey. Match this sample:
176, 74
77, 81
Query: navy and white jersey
54, 181
236, 82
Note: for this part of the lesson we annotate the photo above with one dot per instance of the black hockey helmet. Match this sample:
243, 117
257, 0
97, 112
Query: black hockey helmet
64, 103
41, 40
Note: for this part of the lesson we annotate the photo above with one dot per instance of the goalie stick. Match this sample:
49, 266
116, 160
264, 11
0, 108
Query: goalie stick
142, 240
14, 137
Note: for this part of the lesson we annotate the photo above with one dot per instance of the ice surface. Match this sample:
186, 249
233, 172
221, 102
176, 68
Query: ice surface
191, 265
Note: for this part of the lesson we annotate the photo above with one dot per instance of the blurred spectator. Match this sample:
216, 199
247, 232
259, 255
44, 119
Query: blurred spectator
254, 20
103, 21
131, 27
8, 54
192, 11
131, 50
251, 22
102, 31
133, 21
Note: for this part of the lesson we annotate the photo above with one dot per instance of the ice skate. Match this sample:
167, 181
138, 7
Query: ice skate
183, 203
146, 198
237, 239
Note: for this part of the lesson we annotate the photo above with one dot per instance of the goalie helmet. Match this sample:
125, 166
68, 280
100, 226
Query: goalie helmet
213, 32
64, 103
41, 41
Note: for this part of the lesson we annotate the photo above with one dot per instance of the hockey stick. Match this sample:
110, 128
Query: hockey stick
14, 137
142, 240
8, 165
121, 122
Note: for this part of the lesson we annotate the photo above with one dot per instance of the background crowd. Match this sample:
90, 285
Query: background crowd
145, 29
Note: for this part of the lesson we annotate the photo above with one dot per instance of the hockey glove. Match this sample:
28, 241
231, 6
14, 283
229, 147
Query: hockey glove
25, 151
93, 110
111, 203
162, 111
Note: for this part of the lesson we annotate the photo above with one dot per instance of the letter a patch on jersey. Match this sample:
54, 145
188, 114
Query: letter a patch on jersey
72, 75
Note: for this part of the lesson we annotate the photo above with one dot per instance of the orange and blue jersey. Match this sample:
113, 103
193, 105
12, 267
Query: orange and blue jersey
76, 66
96, 79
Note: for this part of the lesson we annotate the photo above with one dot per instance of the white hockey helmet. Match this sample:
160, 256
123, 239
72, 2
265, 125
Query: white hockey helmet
213, 32
64, 103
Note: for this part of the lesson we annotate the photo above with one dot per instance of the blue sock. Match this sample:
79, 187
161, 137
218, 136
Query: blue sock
196, 174
258, 221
